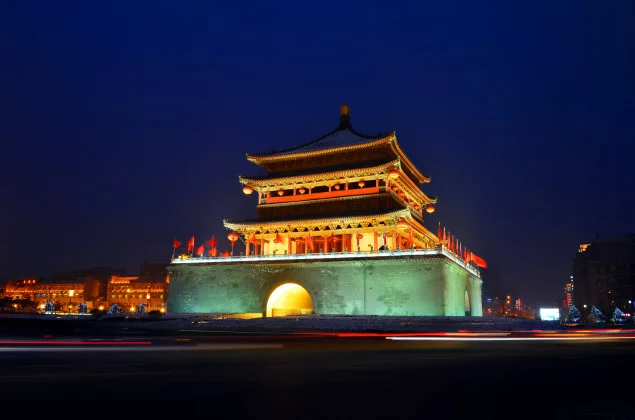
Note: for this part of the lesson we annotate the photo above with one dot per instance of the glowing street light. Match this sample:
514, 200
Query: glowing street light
71, 293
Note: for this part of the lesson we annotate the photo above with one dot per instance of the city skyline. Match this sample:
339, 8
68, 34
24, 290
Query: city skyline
128, 126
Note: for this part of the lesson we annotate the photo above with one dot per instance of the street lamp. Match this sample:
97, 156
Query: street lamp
70, 299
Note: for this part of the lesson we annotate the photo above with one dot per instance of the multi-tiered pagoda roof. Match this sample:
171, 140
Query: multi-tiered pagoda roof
338, 181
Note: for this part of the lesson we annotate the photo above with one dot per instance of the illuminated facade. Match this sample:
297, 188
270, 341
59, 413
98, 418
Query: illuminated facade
98, 287
568, 295
65, 296
128, 292
342, 217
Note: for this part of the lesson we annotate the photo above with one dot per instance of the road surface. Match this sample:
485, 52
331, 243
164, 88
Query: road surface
322, 377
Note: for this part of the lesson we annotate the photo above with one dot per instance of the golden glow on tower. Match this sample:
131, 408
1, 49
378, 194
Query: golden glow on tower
289, 299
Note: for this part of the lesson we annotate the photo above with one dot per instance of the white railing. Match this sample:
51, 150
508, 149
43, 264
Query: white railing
316, 256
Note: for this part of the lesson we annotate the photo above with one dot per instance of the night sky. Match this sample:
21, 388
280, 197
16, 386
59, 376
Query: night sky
124, 124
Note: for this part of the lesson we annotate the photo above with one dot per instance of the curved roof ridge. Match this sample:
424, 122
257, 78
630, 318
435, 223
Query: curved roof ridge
343, 135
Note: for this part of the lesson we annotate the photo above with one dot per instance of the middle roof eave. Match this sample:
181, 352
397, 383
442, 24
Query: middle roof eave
347, 170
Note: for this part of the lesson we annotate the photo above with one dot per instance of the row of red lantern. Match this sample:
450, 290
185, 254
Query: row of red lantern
392, 174
247, 189
429, 208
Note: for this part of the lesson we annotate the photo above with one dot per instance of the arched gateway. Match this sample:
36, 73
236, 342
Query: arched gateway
289, 299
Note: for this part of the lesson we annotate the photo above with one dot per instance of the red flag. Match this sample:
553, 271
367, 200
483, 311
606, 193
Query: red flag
309, 242
478, 260
385, 239
359, 236
213, 252
452, 243
253, 239
332, 238
439, 232
444, 238
278, 239
225, 254
212, 242
176, 243
190, 244
200, 250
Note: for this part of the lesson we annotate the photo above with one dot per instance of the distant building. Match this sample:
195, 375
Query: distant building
567, 302
492, 306
128, 292
604, 274
65, 296
98, 287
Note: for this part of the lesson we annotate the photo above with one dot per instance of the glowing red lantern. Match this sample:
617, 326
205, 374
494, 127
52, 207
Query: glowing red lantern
393, 174
247, 189
337, 186
361, 184
233, 237
302, 190
402, 224
430, 208
280, 192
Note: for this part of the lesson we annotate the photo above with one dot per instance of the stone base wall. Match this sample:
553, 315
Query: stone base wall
411, 286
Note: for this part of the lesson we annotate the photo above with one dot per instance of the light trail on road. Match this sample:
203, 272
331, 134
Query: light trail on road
530, 338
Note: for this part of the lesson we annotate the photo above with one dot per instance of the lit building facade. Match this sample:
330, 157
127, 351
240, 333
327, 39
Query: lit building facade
567, 302
128, 292
98, 287
340, 230
65, 296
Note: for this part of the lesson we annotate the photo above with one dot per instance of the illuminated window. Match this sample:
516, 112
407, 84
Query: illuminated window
161, 296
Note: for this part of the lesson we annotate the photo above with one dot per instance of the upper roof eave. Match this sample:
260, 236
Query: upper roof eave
288, 154
322, 176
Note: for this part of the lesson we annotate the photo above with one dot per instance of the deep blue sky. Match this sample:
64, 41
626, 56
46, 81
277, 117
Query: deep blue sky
125, 123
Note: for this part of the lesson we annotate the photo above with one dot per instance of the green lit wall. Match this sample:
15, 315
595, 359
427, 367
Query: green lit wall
401, 286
